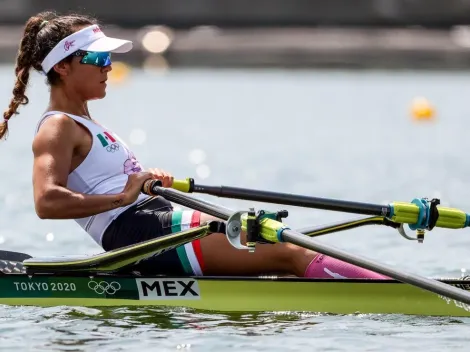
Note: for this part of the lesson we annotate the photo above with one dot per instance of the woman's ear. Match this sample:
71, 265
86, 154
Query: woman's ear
62, 68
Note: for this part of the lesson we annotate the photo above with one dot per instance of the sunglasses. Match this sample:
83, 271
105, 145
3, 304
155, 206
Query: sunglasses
100, 59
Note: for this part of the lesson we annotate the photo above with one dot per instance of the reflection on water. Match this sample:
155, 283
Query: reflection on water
114, 329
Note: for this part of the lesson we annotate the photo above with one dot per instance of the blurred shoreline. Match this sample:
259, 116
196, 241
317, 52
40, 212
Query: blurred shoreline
210, 46
185, 14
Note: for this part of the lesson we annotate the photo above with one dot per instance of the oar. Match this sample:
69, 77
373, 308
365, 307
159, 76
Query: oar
13, 256
224, 213
419, 213
287, 235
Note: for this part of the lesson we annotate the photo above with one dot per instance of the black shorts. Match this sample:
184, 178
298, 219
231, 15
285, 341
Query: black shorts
152, 218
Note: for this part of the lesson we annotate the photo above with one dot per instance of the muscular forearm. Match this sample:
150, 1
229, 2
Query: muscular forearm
61, 203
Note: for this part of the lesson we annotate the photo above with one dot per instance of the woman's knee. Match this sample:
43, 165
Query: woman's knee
294, 251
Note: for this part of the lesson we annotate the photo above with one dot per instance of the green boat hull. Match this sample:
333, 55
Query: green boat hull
234, 294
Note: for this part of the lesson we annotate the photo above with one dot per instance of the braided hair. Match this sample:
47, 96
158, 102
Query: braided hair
42, 33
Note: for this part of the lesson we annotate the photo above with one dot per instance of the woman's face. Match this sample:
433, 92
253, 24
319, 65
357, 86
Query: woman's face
88, 80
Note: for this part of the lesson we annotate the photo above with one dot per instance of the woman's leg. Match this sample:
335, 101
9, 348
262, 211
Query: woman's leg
214, 255
221, 258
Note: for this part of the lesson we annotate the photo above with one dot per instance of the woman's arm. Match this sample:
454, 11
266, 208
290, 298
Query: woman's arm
53, 150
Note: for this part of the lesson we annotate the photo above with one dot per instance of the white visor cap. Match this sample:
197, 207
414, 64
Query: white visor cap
90, 38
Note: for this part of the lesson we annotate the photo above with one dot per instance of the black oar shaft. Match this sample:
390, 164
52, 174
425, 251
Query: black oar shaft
293, 199
412, 279
225, 213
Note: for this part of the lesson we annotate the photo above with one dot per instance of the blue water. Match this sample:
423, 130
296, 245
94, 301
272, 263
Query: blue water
336, 134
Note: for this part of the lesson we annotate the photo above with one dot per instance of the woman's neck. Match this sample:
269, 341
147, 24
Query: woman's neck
61, 100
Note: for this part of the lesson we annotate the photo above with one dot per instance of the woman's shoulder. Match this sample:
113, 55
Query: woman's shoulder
56, 120
56, 127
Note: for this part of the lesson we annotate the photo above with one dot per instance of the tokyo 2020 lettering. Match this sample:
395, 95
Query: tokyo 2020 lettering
45, 286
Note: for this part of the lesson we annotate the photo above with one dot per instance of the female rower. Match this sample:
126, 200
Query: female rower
84, 171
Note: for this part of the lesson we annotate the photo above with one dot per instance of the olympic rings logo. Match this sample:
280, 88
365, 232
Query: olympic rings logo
104, 287
112, 148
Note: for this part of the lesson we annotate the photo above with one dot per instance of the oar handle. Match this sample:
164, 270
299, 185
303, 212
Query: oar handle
149, 187
185, 186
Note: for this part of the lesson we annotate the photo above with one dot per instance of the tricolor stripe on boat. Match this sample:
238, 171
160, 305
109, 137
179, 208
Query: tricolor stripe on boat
190, 254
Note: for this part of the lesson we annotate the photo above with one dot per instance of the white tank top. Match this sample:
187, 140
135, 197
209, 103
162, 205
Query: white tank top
105, 170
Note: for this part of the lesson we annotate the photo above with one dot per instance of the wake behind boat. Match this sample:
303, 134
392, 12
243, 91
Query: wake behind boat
108, 279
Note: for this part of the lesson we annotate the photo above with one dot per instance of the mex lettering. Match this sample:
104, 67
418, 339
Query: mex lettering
168, 288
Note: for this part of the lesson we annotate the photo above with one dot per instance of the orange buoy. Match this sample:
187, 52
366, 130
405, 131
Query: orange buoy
119, 73
422, 109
